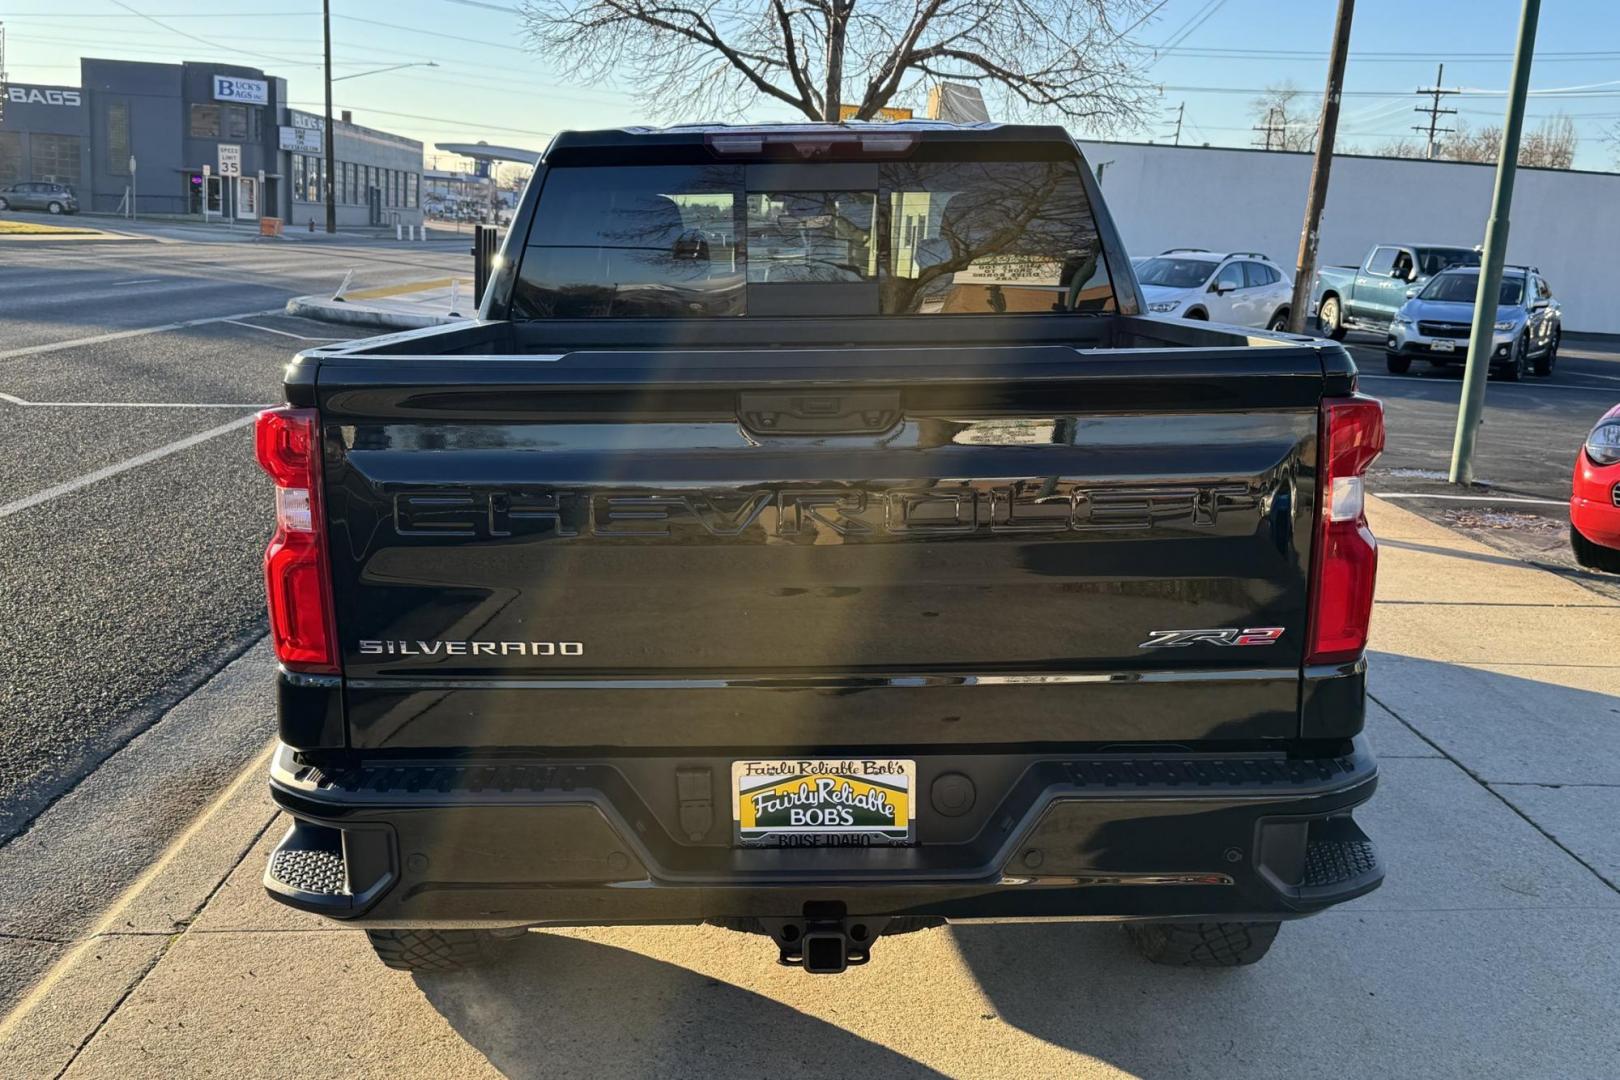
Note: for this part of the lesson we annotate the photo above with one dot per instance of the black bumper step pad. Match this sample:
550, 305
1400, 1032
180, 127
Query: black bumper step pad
310, 870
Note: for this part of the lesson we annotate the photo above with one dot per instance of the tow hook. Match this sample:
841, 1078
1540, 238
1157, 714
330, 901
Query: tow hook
824, 944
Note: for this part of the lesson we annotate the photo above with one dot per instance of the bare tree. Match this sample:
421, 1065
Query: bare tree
705, 59
1288, 115
1551, 145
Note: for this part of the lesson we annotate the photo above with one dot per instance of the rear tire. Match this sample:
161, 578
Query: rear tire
1544, 364
1279, 321
1203, 945
432, 950
1593, 556
54, 207
1330, 318
1398, 364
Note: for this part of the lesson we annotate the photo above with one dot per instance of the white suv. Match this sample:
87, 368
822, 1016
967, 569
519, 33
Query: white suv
1242, 288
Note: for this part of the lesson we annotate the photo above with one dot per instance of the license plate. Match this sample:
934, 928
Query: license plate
1443, 346
824, 802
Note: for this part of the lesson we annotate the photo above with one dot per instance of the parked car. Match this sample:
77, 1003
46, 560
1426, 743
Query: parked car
748, 578
1437, 319
53, 198
1239, 288
1594, 508
1366, 297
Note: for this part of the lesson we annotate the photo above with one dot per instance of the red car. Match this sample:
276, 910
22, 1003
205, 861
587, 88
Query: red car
1594, 508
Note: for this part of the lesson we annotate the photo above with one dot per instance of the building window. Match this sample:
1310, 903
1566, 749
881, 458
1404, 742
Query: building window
56, 157
117, 139
412, 193
205, 121
10, 157
232, 122
297, 175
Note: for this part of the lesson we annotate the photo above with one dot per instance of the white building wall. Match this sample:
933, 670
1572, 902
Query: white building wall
1567, 223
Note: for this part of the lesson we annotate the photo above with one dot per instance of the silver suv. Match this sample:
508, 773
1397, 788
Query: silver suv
39, 195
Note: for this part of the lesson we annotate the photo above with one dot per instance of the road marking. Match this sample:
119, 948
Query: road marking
283, 333
15, 400
1412, 381
408, 287
1470, 498
119, 335
140, 281
135, 462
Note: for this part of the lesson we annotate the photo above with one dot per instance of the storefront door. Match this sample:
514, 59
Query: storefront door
247, 198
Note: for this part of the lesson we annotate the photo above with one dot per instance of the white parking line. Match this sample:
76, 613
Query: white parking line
15, 400
140, 281
1470, 498
283, 333
135, 462
118, 335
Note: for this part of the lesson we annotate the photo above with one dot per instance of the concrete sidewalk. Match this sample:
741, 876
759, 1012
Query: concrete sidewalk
1493, 950
407, 306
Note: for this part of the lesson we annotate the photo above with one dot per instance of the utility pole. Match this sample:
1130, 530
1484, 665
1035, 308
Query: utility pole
1481, 337
329, 188
1310, 234
1180, 111
1273, 128
1435, 111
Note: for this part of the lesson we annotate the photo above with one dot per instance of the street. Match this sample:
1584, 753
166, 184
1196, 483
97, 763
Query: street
135, 520
135, 515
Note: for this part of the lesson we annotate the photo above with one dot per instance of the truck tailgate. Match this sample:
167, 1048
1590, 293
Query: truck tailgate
857, 548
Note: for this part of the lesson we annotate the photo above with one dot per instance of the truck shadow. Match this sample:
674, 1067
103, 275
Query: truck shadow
562, 1006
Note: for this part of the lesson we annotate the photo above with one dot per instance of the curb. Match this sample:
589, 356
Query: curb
314, 307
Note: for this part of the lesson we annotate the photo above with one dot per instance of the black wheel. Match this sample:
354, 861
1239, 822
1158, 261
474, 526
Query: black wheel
1207, 945
1593, 556
432, 950
1398, 364
1330, 318
1279, 321
54, 207
1198, 315
1545, 362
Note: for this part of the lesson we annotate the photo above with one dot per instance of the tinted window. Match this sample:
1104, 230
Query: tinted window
1174, 273
1433, 260
634, 241
1382, 260
705, 240
1230, 277
1257, 274
1461, 289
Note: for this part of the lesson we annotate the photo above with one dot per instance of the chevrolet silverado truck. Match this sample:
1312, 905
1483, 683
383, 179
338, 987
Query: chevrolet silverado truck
811, 536
1366, 297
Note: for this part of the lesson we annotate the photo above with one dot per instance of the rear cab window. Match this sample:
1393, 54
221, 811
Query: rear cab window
923, 234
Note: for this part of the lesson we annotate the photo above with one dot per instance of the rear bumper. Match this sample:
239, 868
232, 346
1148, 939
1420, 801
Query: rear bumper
507, 843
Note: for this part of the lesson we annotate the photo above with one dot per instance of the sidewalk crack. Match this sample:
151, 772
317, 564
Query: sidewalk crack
1476, 778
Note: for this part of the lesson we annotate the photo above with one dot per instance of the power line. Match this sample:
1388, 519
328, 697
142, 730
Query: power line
213, 44
1435, 111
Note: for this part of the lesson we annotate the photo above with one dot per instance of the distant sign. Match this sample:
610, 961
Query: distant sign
308, 122
230, 159
40, 95
847, 112
247, 91
302, 140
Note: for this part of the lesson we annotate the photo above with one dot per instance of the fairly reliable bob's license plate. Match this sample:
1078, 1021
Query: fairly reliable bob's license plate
824, 802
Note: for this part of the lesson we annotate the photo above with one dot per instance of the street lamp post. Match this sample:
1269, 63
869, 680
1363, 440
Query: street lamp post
330, 190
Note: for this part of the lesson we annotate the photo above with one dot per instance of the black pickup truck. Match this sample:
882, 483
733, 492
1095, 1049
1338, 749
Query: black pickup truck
812, 537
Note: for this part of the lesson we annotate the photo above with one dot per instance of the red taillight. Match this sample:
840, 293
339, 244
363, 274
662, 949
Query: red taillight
1346, 560
297, 587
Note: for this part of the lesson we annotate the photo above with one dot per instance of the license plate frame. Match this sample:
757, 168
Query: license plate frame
877, 796
1442, 346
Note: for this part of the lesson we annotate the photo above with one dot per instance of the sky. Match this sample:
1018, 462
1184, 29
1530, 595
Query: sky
488, 85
